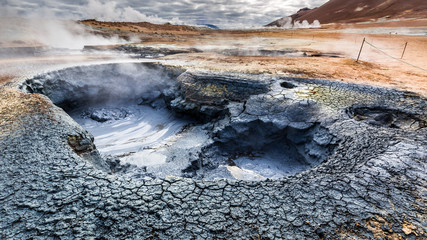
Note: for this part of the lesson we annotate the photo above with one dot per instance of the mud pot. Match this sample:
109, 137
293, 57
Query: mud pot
161, 151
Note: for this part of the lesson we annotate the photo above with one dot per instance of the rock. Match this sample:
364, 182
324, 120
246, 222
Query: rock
106, 114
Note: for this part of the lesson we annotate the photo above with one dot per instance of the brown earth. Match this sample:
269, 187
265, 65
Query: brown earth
146, 30
344, 11
139, 26
374, 68
5, 78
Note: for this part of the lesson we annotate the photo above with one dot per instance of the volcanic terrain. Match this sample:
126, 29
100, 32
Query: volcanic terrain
182, 132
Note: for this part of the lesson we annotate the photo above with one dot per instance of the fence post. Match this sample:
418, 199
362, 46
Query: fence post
404, 50
358, 56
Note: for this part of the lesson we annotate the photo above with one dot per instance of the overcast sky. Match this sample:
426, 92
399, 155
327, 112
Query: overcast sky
223, 13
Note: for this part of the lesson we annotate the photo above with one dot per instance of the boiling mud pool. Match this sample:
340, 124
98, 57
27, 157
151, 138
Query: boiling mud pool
136, 134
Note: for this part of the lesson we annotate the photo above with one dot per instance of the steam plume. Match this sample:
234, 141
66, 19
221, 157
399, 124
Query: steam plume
42, 27
288, 23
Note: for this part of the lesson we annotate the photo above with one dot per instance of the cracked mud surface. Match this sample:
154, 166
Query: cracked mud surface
372, 186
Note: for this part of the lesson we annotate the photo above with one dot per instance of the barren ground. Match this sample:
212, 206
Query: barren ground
374, 67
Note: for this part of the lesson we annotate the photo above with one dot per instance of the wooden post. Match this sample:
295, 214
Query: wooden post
358, 56
406, 44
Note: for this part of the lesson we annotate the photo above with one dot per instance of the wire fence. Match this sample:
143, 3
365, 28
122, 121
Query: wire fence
393, 48
398, 59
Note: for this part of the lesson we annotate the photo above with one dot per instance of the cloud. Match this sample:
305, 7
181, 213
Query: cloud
112, 11
51, 32
224, 13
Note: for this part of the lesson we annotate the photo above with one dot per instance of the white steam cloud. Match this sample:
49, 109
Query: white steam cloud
42, 27
287, 23
52, 33
305, 24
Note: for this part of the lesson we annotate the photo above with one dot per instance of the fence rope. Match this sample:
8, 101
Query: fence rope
400, 60
399, 47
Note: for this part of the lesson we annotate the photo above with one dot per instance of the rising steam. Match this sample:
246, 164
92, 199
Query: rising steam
41, 27
288, 23
53, 33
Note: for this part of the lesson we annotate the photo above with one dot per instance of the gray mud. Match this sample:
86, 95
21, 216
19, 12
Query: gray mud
358, 155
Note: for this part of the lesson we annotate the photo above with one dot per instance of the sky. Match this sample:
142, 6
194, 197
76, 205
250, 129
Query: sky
222, 13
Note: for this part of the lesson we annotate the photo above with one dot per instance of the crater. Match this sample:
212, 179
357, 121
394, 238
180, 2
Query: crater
287, 85
124, 106
385, 117
259, 150
157, 121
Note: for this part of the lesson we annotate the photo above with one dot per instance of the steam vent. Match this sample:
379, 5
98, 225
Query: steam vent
134, 130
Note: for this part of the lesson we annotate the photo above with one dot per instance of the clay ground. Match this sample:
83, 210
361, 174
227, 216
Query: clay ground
374, 68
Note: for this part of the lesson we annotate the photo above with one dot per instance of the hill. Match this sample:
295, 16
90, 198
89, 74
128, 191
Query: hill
345, 11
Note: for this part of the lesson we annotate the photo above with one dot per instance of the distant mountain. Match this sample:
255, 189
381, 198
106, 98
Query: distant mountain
211, 26
137, 26
351, 11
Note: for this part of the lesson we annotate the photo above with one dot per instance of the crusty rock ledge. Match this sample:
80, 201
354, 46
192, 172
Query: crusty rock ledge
373, 186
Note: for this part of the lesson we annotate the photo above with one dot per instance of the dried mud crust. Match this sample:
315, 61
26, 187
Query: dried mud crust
373, 186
